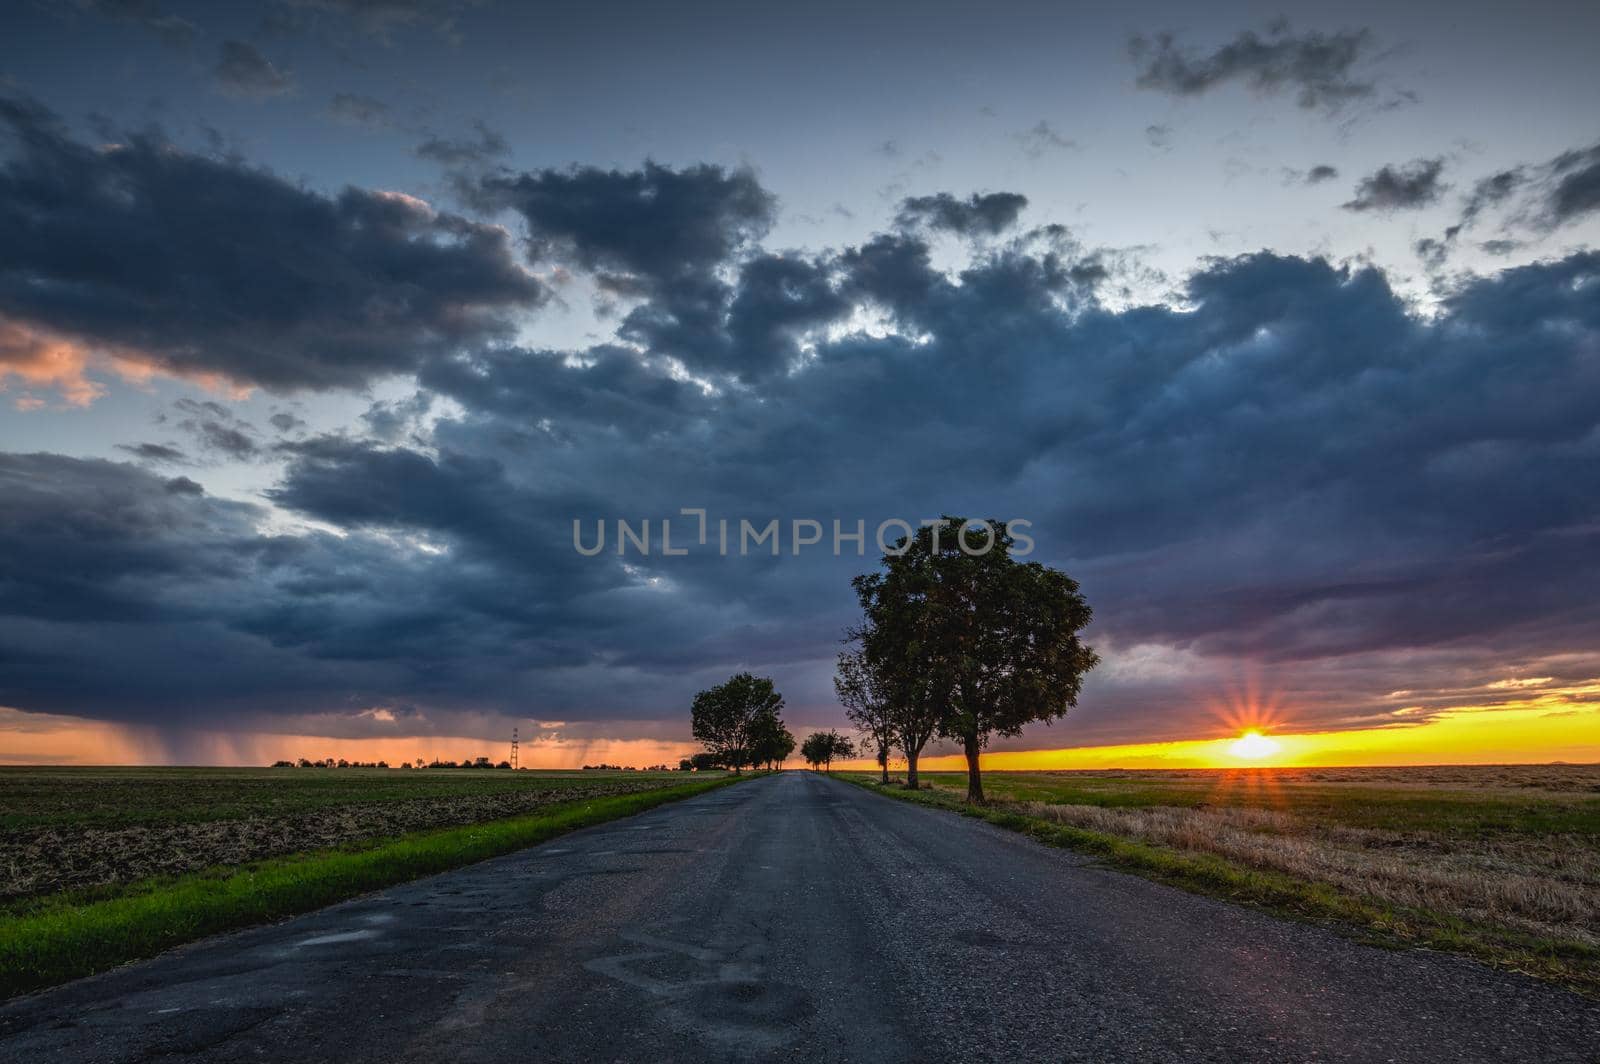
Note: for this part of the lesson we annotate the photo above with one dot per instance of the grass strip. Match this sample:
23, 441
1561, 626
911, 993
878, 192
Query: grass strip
1569, 964
59, 940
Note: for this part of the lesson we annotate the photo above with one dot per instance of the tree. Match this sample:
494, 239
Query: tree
820, 749
704, 762
866, 702
895, 650
983, 644
724, 717
838, 746
685, 764
812, 749
771, 742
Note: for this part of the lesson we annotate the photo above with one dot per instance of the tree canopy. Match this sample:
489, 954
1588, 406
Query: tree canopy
967, 642
732, 718
821, 748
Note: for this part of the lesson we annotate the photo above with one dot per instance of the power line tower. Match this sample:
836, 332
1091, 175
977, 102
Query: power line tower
513, 748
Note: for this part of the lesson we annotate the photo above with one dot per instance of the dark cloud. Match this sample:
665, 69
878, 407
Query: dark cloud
667, 237
392, 419
154, 452
1399, 188
484, 145
1489, 192
203, 267
1158, 136
1285, 469
358, 110
1533, 198
655, 225
1319, 68
1041, 138
1576, 190
216, 429
284, 421
243, 71
1320, 173
227, 440
987, 214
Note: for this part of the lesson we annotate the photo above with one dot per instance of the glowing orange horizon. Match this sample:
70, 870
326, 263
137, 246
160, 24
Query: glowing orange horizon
1551, 726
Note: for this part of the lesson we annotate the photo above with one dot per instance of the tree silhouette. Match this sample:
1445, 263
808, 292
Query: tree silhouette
968, 639
727, 717
866, 701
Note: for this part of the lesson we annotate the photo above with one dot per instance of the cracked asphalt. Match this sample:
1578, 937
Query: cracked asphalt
796, 917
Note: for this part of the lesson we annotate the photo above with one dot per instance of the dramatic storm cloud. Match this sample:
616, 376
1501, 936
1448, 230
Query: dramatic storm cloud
324, 331
1293, 468
198, 266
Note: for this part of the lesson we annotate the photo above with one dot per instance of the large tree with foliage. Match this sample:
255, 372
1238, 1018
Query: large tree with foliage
994, 641
725, 716
866, 702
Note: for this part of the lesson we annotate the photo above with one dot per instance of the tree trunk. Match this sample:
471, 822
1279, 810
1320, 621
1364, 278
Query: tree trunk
883, 763
911, 770
974, 776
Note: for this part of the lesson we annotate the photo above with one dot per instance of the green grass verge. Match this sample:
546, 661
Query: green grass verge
64, 937
1373, 921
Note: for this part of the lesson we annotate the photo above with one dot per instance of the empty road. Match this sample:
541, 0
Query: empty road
796, 918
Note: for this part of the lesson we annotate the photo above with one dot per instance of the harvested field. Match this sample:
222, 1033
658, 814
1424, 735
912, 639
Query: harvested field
1503, 861
68, 829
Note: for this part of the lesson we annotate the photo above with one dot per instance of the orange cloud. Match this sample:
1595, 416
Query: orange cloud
43, 358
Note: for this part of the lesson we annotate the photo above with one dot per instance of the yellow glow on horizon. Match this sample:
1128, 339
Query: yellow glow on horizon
1253, 746
1537, 731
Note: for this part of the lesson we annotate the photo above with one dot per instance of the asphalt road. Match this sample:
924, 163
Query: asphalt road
796, 918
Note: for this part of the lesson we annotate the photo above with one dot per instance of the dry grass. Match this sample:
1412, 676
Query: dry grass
1502, 862
1544, 886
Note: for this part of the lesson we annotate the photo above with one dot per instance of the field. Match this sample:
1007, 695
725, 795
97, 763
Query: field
64, 828
1501, 862
99, 866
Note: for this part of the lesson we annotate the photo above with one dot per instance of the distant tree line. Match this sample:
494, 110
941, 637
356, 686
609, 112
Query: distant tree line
471, 762
328, 762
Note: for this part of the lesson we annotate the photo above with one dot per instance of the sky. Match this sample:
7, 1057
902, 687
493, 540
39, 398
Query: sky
331, 330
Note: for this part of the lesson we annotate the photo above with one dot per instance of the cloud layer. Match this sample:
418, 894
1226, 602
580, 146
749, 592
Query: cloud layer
196, 266
1282, 467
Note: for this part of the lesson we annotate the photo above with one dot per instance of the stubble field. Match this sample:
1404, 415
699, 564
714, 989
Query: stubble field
69, 828
103, 866
1501, 862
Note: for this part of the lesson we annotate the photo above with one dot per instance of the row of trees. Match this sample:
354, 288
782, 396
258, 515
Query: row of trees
821, 748
740, 723
961, 641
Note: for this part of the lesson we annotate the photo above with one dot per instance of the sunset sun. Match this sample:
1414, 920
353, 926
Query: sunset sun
1253, 746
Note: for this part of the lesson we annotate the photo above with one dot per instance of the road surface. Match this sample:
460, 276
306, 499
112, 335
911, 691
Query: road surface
796, 917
